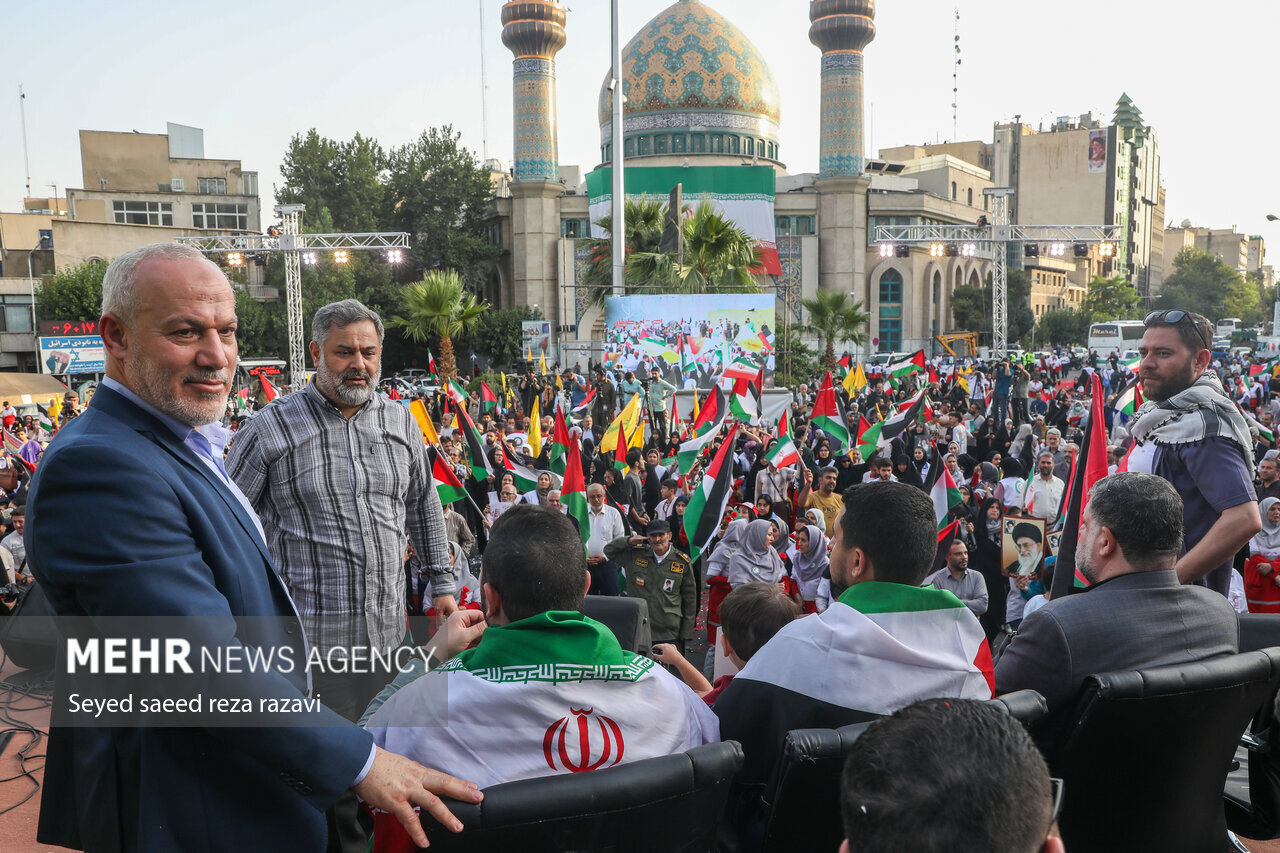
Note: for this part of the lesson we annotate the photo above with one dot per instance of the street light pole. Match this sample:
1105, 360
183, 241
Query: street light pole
1275, 310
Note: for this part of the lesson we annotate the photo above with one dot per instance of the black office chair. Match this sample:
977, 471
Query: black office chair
1252, 795
672, 803
1146, 753
627, 618
804, 802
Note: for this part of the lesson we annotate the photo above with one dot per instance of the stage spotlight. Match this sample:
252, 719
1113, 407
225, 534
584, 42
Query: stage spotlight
886, 250
968, 250
235, 259
1081, 250
310, 258
951, 250
341, 256
902, 250
1106, 250
1057, 250
259, 260
1030, 250
937, 250
394, 256
273, 231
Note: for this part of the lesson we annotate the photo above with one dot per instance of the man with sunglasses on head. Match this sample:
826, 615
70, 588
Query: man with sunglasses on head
1191, 433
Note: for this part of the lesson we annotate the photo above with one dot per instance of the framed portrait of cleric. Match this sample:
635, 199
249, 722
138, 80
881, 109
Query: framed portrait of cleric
1023, 547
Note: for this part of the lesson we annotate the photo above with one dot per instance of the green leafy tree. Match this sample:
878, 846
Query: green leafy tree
796, 361
835, 316
74, 294
642, 235
1111, 299
340, 182
1064, 327
499, 335
263, 328
440, 308
1202, 283
971, 306
438, 192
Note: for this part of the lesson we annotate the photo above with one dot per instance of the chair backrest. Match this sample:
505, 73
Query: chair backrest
1253, 793
669, 803
1146, 752
627, 618
804, 803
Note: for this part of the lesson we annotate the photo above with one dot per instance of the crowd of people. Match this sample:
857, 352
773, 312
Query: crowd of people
825, 583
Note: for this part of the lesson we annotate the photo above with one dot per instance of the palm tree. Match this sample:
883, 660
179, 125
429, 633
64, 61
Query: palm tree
440, 306
718, 255
833, 316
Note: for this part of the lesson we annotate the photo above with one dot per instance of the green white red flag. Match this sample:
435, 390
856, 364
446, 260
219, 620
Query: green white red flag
708, 501
573, 491
828, 416
447, 484
783, 452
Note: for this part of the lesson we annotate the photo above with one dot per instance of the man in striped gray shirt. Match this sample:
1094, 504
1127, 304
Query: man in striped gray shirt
337, 474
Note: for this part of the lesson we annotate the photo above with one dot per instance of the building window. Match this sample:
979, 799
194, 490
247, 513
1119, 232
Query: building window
212, 186
953, 190
574, 228
230, 217
493, 234
890, 334
660, 144
733, 144
143, 212
804, 225
985, 201
249, 183
751, 145
678, 143
16, 316
891, 287
698, 143
782, 224
717, 143
970, 191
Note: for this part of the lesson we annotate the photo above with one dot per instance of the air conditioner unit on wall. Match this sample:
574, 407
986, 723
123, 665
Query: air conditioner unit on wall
179, 185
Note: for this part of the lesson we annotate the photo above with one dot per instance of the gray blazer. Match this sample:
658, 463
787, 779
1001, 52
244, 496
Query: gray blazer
1135, 621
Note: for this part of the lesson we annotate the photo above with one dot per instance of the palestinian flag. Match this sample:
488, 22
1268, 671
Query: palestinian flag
526, 477
942, 490
1132, 366
587, 402
1265, 434
742, 194
867, 439
881, 433
573, 491
906, 367
846, 364
690, 450
46, 421
712, 411
891, 644
561, 443
419, 411
828, 416
447, 484
624, 424
480, 467
1130, 399
707, 503
783, 452
745, 402
1268, 366
488, 399
268, 390
1091, 466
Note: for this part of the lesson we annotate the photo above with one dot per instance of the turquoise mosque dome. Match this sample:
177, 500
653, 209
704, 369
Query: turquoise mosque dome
694, 85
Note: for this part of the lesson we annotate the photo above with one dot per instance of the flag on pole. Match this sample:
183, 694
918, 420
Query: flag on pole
690, 450
587, 402
741, 368
745, 402
268, 390
488, 399
542, 362
856, 380
623, 424
419, 411
828, 417
707, 503
480, 467
906, 367
1091, 466
943, 491
431, 366
526, 478
447, 484
783, 452
1130, 399
1029, 492
535, 430
712, 411
880, 434
46, 422
456, 392
560, 444
573, 491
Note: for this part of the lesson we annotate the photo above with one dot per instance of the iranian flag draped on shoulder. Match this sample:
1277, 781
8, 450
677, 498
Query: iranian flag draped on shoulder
549, 694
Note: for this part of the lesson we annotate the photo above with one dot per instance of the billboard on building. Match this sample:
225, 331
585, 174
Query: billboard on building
1098, 150
692, 336
536, 339
72, 354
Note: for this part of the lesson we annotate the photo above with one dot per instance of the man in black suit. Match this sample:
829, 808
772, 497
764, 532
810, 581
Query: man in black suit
1135, 614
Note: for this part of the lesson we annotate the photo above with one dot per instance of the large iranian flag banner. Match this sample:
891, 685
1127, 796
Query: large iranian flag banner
744, 194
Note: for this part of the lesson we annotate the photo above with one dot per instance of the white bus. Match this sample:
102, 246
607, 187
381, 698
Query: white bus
1226, 326
1115, 336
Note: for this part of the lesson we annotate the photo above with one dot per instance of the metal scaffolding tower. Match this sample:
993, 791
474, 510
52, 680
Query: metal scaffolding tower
995, 237
294, 245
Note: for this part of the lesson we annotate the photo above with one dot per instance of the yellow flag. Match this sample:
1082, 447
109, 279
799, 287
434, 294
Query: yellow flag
419, 410
696, 408
528, 354
542, 363
55, 410
855, 380
628, 419
535, 430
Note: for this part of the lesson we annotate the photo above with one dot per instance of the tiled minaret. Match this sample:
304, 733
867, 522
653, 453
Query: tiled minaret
842, 28
534, 31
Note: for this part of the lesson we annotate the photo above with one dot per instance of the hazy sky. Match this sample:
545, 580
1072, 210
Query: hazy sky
252, 74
